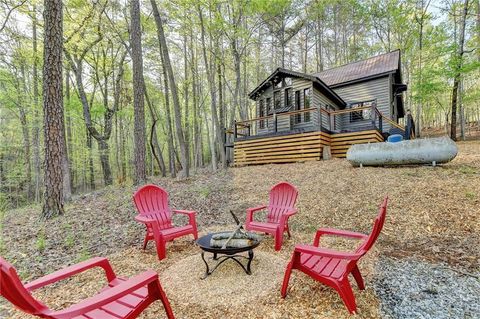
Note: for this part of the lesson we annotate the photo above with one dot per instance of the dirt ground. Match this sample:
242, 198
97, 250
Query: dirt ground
433, 215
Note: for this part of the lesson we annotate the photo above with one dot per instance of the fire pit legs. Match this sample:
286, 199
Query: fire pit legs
250, 258
223, 258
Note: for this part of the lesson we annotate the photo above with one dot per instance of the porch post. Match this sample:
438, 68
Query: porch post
374, 114
319, 112
235, 129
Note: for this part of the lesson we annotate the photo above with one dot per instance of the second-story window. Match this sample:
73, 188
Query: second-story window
307, 103
269, 105
288, 97
277, 99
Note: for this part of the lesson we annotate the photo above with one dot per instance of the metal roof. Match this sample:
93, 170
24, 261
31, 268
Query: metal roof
377, 65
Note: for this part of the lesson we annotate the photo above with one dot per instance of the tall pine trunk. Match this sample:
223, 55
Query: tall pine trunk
138, 94
54, 129
458, 69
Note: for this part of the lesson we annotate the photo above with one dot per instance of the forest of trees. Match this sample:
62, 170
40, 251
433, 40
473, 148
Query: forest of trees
142, 88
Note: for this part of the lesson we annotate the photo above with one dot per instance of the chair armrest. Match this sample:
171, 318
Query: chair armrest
250, 212
324, 252
337, 232
285, 216
144, 220
108, 296
73, 270
190, 213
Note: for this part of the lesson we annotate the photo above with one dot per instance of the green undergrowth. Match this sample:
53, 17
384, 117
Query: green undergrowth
3, 209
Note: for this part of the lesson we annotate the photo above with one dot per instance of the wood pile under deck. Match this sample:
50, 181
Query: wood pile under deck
298, 147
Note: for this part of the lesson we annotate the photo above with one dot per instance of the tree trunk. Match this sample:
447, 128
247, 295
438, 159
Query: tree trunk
154, 146
210, 70
36, 125
67, 174
170, 137
123, 157
238, 82
196, 134
319, 43
53, 109
458, 68
418, 124
461, 109
138, 94
173, 87
103, 149
90, 161
69, 132
76, 62
186, 129
25, 131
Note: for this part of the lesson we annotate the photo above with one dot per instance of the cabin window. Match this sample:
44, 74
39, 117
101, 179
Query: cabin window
356, 116
288, 81
278, 85
361, 114
306, 104
269, 105
261, 107
277, 99
288, 97
298, 117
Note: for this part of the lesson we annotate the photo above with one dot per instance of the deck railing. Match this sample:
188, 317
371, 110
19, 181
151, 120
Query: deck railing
270, 123
314, 118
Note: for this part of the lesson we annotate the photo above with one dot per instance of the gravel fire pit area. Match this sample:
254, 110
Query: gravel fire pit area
227, 286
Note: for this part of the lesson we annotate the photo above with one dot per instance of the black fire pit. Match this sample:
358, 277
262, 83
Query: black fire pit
225, 253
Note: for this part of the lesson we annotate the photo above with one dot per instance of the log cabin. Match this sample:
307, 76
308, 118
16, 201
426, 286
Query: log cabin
298, 114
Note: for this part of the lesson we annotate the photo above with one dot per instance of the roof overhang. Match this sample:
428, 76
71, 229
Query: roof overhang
280, 72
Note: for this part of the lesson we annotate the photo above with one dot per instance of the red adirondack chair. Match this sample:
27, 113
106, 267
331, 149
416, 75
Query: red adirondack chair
151, 202
280, 207
122, 298
332, 267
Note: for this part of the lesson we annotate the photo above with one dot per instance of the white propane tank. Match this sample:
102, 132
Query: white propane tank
420, 151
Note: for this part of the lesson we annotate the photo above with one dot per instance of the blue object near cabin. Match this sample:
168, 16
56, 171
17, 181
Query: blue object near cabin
395, 138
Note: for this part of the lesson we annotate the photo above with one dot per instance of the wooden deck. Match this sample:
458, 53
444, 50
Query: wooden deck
298, 147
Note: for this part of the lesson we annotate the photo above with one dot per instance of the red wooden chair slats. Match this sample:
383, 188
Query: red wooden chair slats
281, 206
332, 267
154, 211
122, 298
